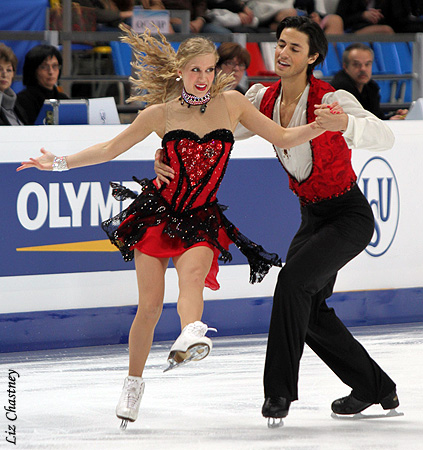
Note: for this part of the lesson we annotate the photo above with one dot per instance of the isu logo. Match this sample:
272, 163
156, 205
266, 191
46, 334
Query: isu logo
378, 183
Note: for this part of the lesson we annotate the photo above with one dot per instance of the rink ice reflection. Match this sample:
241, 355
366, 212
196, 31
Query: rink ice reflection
65, 399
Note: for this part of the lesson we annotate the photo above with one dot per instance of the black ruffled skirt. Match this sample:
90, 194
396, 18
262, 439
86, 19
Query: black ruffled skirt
150, 213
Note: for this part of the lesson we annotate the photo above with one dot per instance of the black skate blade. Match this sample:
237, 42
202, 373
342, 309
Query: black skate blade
274, 422
124, 424
361, 416
196, 353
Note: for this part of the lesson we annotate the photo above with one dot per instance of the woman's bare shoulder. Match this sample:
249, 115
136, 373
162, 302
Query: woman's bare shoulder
235, 99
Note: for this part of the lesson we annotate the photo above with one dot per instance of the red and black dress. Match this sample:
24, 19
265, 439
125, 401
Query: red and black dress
166, 222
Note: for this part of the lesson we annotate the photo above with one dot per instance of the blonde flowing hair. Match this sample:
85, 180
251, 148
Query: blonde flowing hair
156, 66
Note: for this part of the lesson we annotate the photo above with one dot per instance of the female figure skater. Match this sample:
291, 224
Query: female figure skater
195, 117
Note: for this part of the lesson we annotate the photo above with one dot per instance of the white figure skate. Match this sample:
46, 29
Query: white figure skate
130, 399
191, 345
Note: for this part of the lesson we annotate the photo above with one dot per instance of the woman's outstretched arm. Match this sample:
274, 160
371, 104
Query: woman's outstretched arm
147, 121
242, 111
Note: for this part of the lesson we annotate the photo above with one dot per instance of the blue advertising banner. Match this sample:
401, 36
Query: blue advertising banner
62, 284
51, 221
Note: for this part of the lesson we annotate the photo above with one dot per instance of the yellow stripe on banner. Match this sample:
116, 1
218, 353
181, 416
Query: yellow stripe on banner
88, 246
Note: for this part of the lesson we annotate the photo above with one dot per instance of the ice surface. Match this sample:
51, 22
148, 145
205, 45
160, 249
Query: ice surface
65, 399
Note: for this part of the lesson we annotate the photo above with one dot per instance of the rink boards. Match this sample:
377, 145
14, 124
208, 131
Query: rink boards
63, 285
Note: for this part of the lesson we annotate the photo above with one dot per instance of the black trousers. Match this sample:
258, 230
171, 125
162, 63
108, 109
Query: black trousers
332, 232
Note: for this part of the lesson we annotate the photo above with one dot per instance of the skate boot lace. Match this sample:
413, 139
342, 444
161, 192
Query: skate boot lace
132, 393
198, 329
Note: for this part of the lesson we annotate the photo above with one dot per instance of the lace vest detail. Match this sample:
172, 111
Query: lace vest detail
332, 174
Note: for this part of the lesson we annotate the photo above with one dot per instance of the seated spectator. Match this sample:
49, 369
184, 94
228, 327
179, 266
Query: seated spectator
363, 16
199, 22
41, 73
270, 12
146, 4
405, 16
108, 13
127, 5
329, 23
356, 78
234, 59
10, 112
232, 14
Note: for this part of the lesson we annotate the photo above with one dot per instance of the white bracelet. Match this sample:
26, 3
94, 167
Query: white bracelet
60, 164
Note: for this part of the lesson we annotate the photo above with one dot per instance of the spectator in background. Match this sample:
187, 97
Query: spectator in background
232, 14
271, 12
108, 13
41, 73
235, 59
329, 23
363, 16
199, 22
10, 111
405, 16
126, 5
356, 78
150, 4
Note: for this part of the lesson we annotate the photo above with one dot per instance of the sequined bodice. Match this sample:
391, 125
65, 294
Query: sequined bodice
199, 163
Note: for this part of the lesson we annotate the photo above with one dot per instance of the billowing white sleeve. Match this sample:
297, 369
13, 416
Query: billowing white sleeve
364, 129
255, 95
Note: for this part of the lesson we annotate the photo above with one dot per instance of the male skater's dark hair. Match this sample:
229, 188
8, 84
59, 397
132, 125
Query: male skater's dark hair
316, 37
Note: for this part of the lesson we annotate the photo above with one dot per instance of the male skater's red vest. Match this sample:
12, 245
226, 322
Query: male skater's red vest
332, 174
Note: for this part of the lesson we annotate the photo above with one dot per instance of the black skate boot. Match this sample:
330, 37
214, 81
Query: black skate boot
351, 405
275, 408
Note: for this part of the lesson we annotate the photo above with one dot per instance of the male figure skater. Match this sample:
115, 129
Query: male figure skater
336, 225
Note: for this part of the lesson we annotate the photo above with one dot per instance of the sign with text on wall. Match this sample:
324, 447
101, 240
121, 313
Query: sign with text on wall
150, 19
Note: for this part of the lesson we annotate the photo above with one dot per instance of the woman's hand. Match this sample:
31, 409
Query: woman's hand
164, 173
43, 162
400, 114
197, 24
331, 117
372, 15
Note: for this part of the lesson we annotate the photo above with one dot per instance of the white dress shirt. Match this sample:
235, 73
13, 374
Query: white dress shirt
364, 129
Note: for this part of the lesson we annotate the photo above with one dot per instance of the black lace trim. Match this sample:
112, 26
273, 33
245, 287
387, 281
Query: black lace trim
200, 224
220, 134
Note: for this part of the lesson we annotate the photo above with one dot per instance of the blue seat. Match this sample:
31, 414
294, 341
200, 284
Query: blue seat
28, 15
122, 58
331, 64
340, 48
387, 59
77, 47
17, 86
175, 45
405, 55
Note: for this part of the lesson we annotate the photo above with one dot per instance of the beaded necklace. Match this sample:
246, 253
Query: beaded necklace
191, 99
